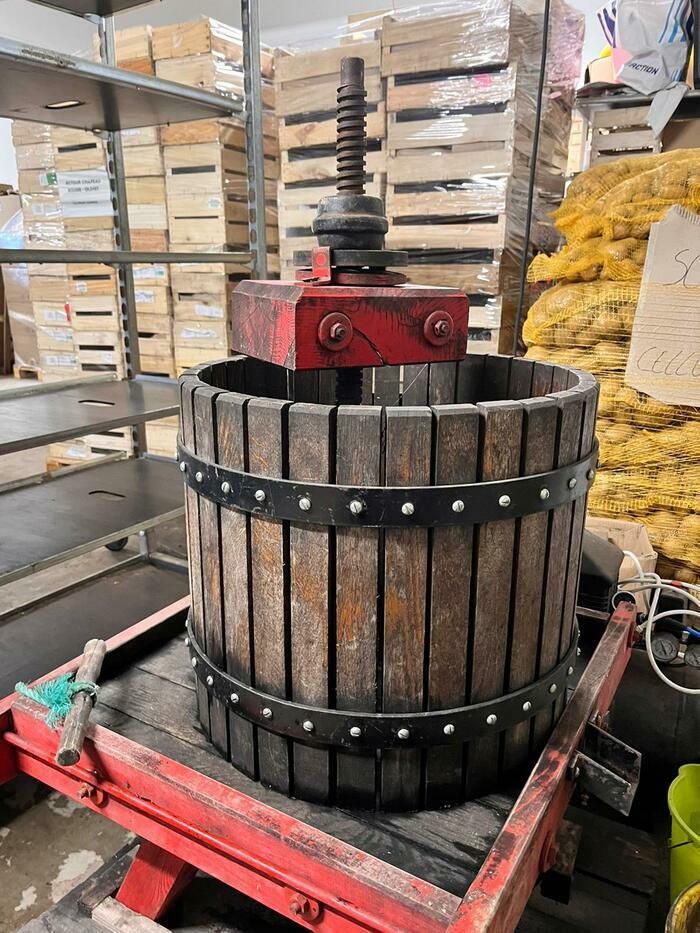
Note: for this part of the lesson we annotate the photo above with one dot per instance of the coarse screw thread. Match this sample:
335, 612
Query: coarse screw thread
351, 143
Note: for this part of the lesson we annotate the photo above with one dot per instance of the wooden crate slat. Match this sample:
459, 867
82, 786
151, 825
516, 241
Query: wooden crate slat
450, 130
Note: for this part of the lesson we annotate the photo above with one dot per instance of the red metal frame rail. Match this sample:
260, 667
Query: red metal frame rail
191, 822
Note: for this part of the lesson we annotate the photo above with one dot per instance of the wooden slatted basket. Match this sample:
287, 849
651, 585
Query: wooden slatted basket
380, 618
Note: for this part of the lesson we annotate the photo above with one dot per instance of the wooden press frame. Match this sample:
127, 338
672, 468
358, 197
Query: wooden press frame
189, 821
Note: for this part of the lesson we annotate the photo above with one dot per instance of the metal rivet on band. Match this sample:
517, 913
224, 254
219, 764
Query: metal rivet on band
226, 488
187, 642
267, 713
578, 652
183, 466
355, 732
198, 476
458, 505
356, 507
570, 671
308, 726
544, 494
234, 698
491, 719
449, 729
553, 688
504, 502
194, 662
260, 495
572, 482
590, 474
404, 734
408, 508
210, 680
305, 503
527, 706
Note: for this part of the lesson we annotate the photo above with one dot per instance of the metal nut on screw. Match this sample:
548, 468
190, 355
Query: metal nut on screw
441, 328
491, 719
408, 508
260, 495
458, 505
504, 501
198, 476
267, 713
308, 726
403, 734
226, 488
357, 507
355, 732
337, 332
448, 729
305, 504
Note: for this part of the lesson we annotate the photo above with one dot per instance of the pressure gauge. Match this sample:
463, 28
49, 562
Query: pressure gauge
665, 647
692, 655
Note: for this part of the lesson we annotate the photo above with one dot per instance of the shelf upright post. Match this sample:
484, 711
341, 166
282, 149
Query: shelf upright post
254, 137
125, 273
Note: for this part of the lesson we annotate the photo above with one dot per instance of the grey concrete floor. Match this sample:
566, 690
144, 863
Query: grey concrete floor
48, 843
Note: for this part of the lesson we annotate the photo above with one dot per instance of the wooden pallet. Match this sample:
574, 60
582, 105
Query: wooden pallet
24, 371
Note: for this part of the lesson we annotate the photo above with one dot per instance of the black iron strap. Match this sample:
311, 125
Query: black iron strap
345, 729
387, 506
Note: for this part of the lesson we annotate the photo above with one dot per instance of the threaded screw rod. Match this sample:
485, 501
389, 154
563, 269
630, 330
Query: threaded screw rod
351, 143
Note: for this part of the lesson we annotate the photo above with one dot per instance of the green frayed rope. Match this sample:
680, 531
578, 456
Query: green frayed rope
57, 695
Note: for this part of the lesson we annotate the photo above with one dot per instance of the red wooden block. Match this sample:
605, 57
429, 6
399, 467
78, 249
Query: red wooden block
301, 326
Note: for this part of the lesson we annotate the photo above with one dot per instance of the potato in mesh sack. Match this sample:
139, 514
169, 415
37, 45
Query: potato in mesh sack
597, 258
581, 315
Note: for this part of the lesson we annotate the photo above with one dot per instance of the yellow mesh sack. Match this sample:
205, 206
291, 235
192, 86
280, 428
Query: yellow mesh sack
649, 451
597, 258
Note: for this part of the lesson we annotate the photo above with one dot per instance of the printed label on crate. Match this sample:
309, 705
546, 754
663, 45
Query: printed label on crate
212, 311
81, 287
85, 194
47, 178
189, 333
45, 210
54, 315
59, 359
151, 272
214, 203
664, 356
108, 356
144, 297
59, 333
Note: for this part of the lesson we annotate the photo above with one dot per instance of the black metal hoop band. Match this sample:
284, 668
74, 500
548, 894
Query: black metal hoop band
387, 506
345, 729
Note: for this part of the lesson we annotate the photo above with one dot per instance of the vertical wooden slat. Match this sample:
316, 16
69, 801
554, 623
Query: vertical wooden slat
542, 376
442, 384
539, 439
386, 385
302, 386
235, 536
456, 456
470, 375
327, 386
494, 387
210, 537
500, 459
408, 456
187, 388
310, 459
415, 384
570, 412
267, 456
358, 462
520, 383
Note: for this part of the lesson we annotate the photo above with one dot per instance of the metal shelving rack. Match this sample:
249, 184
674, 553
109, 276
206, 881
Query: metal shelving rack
108, 100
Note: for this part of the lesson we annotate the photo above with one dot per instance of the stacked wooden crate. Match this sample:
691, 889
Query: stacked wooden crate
461, 92
305, 99
206, 183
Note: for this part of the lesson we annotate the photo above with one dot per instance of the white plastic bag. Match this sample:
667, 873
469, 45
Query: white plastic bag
652, 42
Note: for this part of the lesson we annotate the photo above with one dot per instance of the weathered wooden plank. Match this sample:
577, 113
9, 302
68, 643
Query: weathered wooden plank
470, 375
311, 622
187, 387
387, 385
269, 558
442, 385
211, 558
235, 536
408, 461
494, 387
456, 455
415, 384
539, 439
542, 376
520, 382
500, 459
570, 415
358, 460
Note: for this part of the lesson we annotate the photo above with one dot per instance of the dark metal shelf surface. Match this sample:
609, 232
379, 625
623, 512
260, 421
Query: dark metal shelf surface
54, 413
689, 105
33, 79
44, 636
61, 518
119, 257
92, 7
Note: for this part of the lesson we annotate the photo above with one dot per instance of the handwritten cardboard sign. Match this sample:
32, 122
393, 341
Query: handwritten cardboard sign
664, 357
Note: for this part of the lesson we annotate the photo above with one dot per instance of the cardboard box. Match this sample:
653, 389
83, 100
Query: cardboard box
629, 536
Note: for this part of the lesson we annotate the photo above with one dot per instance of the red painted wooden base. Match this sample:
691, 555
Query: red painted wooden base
154, 881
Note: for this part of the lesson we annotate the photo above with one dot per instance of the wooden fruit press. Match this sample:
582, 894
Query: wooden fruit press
384, 537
